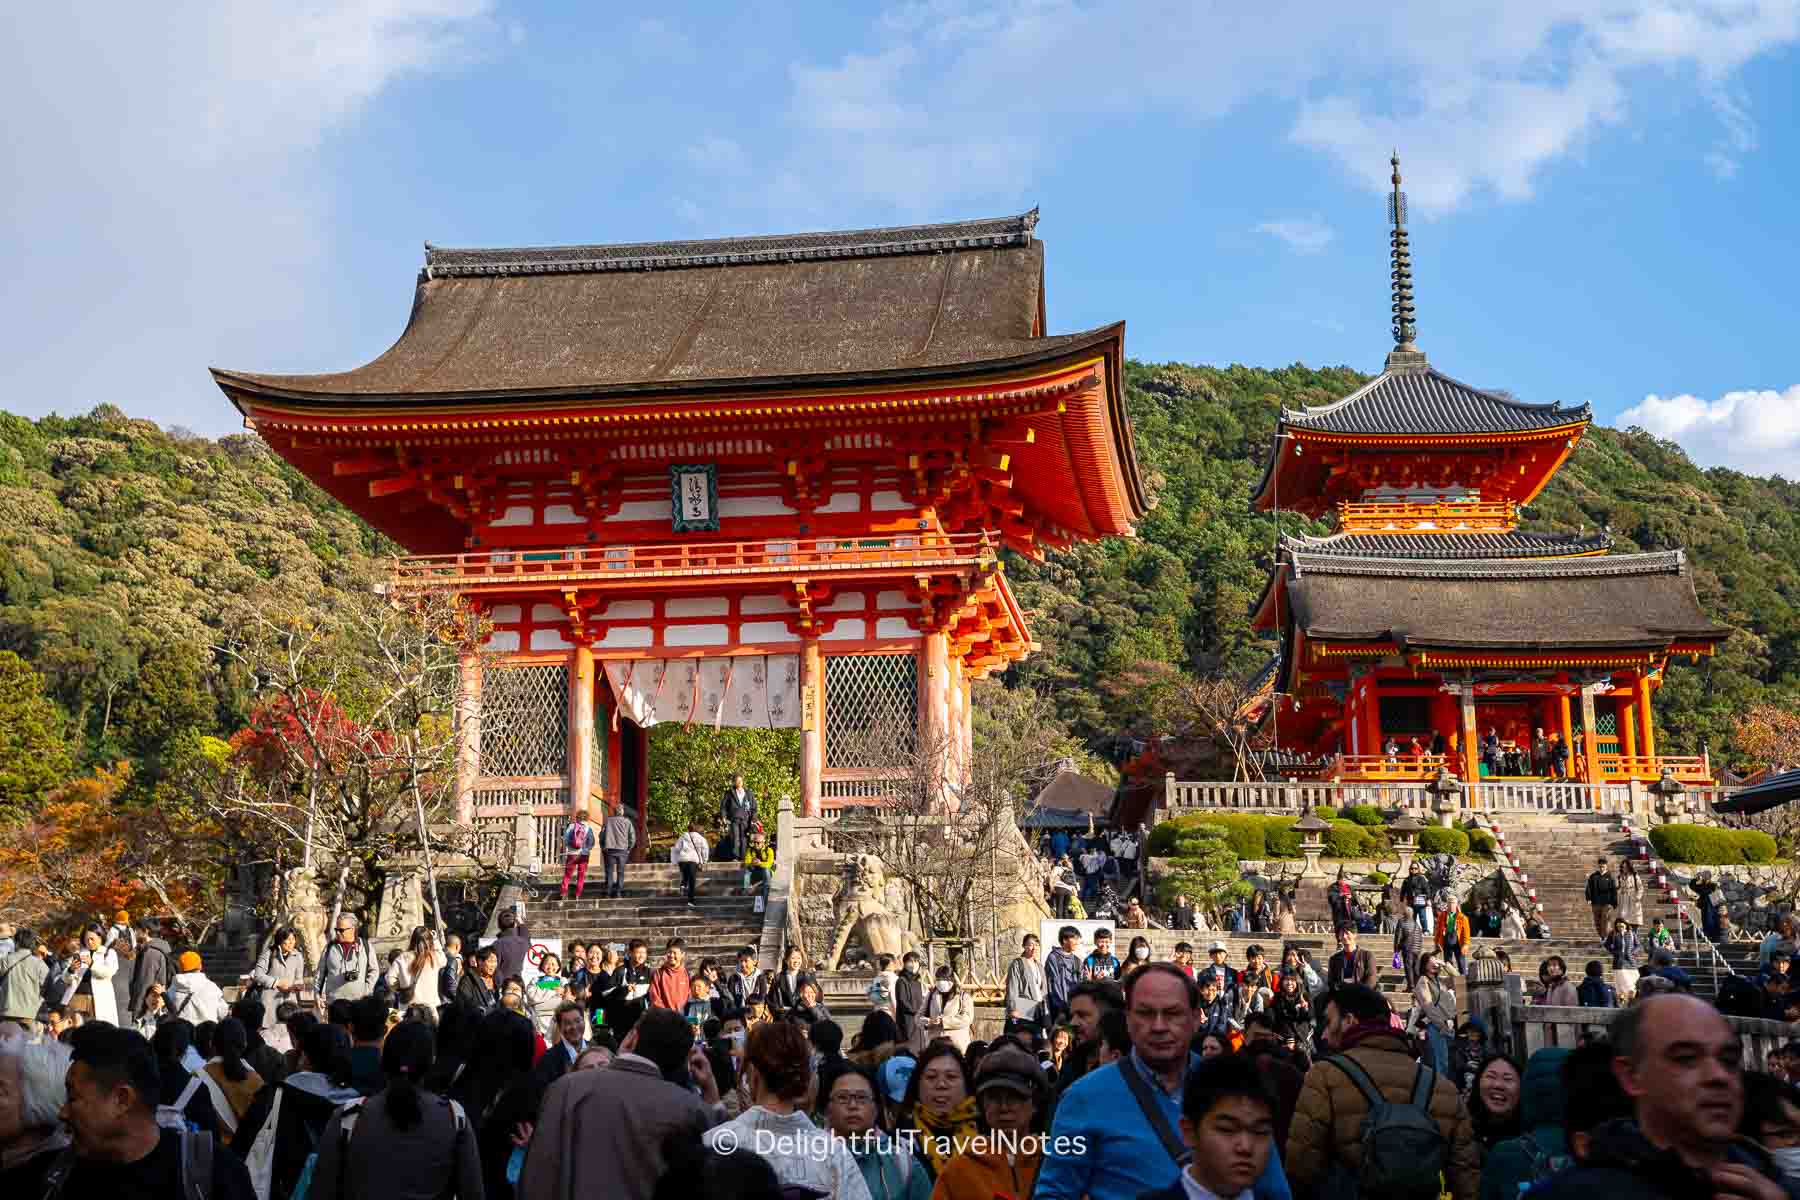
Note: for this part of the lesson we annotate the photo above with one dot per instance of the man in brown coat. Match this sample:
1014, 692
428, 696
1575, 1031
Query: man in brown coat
1326, 1134
603, 1133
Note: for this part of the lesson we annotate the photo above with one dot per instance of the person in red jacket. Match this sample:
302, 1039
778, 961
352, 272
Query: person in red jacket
670, 987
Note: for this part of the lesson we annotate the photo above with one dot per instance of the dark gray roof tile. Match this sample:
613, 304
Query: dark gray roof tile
1426, 402
733, 252
1451, 545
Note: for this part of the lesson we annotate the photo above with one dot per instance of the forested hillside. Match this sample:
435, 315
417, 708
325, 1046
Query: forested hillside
124, 546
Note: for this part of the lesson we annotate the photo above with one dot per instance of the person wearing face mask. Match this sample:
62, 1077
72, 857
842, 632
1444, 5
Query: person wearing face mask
1136, 955
909, 999
1772, 1120
949, 1012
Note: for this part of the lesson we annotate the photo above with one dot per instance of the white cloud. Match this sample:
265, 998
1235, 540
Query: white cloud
1756, 430
162, 165
1303, 235
966, 99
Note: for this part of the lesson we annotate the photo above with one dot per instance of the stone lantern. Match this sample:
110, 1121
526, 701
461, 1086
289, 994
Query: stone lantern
1312, 843
1404, 832
1671, 796
1446, 793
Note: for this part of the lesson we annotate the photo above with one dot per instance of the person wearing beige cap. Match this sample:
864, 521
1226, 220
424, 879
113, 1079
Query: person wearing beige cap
1013, 1095
194, 997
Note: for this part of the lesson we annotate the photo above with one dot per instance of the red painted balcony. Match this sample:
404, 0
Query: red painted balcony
770, 559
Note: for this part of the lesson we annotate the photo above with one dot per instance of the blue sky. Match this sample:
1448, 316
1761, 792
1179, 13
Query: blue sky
1602, 191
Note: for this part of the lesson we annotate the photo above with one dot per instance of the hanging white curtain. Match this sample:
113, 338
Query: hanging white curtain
749, 691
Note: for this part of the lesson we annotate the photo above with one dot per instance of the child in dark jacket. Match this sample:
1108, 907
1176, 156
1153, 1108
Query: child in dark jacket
1594, 991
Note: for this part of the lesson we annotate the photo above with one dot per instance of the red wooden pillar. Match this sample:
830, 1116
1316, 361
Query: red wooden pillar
812, 726
1372, 713
1444, 717
642, 737
581, 729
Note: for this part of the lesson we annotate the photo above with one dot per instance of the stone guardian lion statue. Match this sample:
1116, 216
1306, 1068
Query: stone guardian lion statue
862, 915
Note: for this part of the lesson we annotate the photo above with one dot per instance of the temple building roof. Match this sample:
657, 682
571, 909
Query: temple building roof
1513, 544
1416, 399
874, 304
1626, 601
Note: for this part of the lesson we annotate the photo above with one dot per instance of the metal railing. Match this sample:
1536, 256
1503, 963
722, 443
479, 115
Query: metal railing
601, 563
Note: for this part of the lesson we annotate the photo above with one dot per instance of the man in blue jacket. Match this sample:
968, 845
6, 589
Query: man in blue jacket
1115, 1136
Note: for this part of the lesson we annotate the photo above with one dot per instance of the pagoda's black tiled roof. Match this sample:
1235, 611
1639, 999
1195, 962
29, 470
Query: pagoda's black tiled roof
1612, 600
1422, 401
1452, 545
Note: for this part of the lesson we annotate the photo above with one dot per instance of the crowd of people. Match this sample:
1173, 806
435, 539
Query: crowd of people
1117, 1076
1083, 868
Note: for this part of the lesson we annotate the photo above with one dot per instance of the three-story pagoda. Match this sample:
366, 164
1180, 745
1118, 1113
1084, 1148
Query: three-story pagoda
1428, 630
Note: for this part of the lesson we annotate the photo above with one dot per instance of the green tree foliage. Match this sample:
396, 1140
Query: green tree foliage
1203, 866
34, 759
690, 770
124, 549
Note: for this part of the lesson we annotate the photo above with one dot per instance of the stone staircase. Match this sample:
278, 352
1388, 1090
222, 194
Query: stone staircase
1559, 858
718, 926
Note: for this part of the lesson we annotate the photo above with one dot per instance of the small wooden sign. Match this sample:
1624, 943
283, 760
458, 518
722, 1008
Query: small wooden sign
694, 497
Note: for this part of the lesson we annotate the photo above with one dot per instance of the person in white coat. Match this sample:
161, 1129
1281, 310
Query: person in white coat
949, 1012
194, 997
414, 974
103, 964
689, 855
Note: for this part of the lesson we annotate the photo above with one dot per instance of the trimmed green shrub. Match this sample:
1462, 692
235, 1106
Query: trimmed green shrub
1707, 846
1380, 877
1365, 814
1244, 832
1325, 812
1482, 843
1279, 837
1438, 840
1347, 839
1758, 846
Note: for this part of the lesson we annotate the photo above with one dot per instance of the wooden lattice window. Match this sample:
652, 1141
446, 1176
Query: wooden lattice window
525, 721
871, 710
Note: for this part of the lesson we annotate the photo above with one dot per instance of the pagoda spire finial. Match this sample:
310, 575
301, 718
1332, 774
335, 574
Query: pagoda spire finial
1406, 353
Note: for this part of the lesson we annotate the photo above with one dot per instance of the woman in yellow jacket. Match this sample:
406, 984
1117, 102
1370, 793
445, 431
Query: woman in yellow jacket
1001, 1163
759, 864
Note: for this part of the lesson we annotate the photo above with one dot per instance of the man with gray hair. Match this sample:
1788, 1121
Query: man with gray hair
31, 1099
347, 968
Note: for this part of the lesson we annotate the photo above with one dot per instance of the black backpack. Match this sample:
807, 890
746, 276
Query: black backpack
1739, 997
1404, 1152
